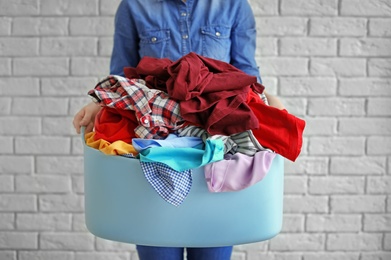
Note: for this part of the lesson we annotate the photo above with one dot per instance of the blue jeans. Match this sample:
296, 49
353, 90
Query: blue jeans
176, 253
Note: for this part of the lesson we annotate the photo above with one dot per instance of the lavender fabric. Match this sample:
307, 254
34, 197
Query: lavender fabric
238, 171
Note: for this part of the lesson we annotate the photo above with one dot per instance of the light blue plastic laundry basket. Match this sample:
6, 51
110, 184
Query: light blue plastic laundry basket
121, 205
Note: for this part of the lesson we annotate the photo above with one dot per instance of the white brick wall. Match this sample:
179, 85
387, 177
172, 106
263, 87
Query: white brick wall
328, 60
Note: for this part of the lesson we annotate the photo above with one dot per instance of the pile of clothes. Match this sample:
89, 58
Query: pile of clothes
177, 116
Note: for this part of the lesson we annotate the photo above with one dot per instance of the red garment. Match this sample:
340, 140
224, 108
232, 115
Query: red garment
115, 124
211, 93
278, 130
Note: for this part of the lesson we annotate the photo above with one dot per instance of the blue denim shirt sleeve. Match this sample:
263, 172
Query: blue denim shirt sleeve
223, 30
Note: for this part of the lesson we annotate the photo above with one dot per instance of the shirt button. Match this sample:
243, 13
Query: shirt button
153, 39
185, 36
183, 14
146, 121
218, 34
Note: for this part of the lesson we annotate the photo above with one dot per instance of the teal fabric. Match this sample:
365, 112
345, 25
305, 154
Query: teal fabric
181, 159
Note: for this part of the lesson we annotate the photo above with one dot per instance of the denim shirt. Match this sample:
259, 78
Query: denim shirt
218, 29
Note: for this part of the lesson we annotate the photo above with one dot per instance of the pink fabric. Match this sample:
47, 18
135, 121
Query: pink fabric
238, 171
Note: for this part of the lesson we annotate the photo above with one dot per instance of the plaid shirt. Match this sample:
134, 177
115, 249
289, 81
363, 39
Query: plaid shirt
158, 115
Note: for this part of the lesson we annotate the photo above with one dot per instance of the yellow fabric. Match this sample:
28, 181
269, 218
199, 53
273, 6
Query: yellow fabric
115, 148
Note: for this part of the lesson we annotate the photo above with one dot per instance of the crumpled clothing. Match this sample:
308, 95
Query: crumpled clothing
116, 148
157, 114
237, 172
173, 186
212, 93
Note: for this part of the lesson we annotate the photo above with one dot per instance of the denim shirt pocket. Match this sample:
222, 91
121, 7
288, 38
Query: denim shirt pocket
216, 42
154, 43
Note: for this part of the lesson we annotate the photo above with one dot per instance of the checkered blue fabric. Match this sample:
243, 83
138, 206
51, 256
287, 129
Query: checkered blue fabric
173, 186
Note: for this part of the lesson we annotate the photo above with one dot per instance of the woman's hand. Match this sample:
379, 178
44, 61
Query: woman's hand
86, 117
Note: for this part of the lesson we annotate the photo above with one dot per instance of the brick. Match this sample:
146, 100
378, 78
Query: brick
379, 185
19, 46
61, 203
377, 222
365, 87
380, 27
376, 256
379, 67
354, 242
336, 185
264, 8
298, 242
295, 185
308, 46
107, 245
98, 67
337, 146
108, 7
12, 126
43, 184
338, 26
303, 86
269, 47
67, 241
357, 204
338, 67
5, 106
58, 126
35, 26
281, 26
16, 164
17, 203
365, 8
19, 7
92, 26
305, 204
337, 106
308, 165
102, 255
79, 222
43, 222
41, 66
365, 126
77, 146
5, 68
105, 46
25, 86
295, 106
7, 221
77, 46
358, 165
331, 256
270, 84
5, 25
78, 184
333, 223
365, 47
69, 165
293, 223
253, 255
309, 7
379, 106
77, 103
387, 241
18, 240
284, 66
69, 7
45, 255
69, 86
6, 183
318, 126
8, 255
39, 106
42, 145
